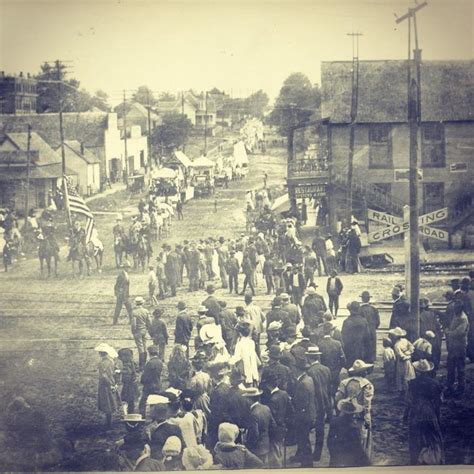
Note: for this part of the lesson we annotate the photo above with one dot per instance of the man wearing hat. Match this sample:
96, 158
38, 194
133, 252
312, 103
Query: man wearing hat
274, 368
313, 305
122, 292
227, 320
297, 284
151, 377
222, 257
345, 443
289, 336
276, 314
261, 423
273, 333
135, 454
292, 309
184, 327
211, 303
140, 326
159, 332
232, 268
398, 308
305, 409
321, 376
319, 248
332, 355
257, 319
193, 260
371, 314
172, 269
355, 334
219, 402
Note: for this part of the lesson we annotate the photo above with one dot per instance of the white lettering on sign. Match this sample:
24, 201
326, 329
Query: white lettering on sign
383, 217
434, 216
388, 232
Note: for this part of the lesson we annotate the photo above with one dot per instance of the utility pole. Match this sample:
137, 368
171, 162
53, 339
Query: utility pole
205, 127
354, 104
149, 135
61, 136
125, 137
182, 116
412, 254
27, 196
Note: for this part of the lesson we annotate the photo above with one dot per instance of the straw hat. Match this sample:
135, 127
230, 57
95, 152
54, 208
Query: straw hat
210, 334
349, 406
274, 326
310, 291
423, 365
398, 332
109, 350
133, 418
313, 351
252, 392
139, 300
359, 366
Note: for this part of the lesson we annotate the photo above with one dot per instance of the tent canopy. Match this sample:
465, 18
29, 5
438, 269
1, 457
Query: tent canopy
183, 159
202, 162
164, 173
240, 154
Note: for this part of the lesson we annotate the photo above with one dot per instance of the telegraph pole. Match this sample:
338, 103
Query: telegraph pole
354, 104
412, 255
125, 137
149, 135
182, 116
28, 149
61, 136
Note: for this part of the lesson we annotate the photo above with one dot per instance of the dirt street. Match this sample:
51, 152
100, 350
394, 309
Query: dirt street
49, 328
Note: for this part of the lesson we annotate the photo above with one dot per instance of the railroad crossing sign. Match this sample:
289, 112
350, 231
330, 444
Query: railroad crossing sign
397, 226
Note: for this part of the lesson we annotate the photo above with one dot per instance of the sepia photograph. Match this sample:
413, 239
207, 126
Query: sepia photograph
236, 234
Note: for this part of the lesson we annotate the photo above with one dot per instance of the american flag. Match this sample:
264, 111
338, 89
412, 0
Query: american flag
77, 204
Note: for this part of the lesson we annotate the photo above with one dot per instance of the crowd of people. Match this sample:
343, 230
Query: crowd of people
240, 386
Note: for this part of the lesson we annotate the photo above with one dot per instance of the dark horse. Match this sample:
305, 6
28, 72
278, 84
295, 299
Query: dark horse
121, 246
78, 253
47, 252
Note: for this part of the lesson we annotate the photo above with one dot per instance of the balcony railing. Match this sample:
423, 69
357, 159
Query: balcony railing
308, 168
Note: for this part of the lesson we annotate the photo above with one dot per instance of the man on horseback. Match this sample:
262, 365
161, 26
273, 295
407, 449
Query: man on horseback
49, 234
77, 250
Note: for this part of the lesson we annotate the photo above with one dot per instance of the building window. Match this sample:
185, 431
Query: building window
380, 146
432, 145
433, 196
384, 188
142, 159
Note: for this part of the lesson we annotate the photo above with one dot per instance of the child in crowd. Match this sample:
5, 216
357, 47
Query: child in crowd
129, 379
389, 362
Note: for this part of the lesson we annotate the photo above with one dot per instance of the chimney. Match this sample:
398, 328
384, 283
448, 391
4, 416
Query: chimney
21, 74
82, 148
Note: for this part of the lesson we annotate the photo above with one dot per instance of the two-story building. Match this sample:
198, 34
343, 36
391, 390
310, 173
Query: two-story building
18, 94
381, 152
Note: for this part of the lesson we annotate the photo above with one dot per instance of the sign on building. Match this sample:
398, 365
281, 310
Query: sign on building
458, 167
310, 190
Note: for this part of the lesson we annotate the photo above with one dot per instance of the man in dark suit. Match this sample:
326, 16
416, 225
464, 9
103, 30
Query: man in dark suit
313, 306
371, 315
275, 369
292, 309
332, 355
282, 411
321, 376
219, 403
305, 409
122, 292
334, 289
355, 335
172, 269
161, 429
151, 377
212, 303
277, 313
261, 424
319, 247
297, 285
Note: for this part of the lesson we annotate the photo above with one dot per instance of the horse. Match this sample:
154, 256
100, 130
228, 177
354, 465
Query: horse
45, 253
142, 252
95, 250
78, 253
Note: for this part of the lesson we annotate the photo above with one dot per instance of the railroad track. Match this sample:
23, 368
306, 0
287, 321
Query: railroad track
454, 268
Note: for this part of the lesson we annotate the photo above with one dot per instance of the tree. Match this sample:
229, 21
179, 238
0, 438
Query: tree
256, 103
101, 100
167, 97
48, 90
144, 96
172, 133
296, 104
119, 109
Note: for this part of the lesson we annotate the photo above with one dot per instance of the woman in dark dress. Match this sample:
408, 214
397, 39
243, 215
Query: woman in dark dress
344, 439
423, 414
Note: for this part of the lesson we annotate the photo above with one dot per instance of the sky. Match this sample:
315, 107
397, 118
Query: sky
238, 46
